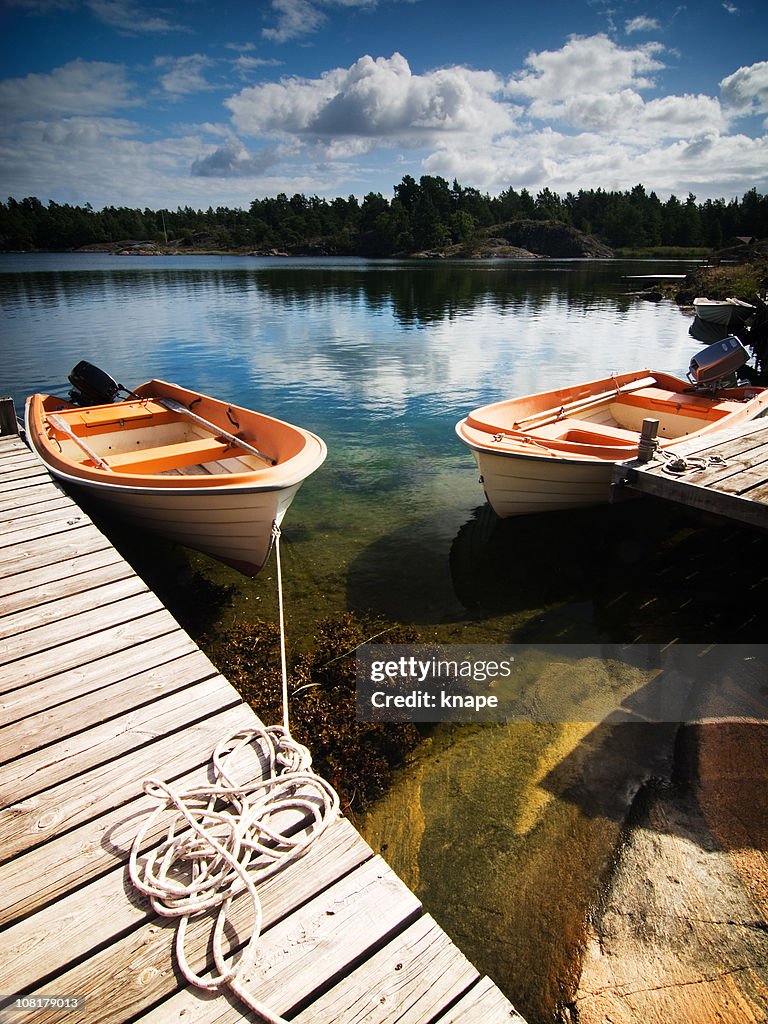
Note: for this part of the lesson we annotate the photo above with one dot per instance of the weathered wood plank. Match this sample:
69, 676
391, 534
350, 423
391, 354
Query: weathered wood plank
484, 1004
310, 946
138, 970
20, 497
20, 470
411, 981
31, 822
63, 579
30, 555
37, 643
703, 498
39, 876
31, 511
81, 751
109, 907
50, 514
49, 533
155, 641
83, 711
66, 609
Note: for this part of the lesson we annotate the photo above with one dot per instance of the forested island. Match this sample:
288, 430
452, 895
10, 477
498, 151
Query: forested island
425, 217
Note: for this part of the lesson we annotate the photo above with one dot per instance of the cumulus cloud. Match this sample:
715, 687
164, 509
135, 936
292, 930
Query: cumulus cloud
185, 74
80, 87
746, 90
641, 24
380, 101
233, 160
584, 66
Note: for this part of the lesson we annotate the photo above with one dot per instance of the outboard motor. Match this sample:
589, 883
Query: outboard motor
717, 366
93, 386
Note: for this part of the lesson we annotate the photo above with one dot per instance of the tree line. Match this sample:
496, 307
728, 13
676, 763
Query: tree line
429, 214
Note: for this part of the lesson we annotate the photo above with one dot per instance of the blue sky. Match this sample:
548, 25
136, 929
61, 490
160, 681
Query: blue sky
140, 103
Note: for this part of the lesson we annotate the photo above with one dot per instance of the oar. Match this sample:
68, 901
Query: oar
173, 406
540, 419
58, 424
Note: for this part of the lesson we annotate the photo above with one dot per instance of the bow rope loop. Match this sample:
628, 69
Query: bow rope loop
264, 808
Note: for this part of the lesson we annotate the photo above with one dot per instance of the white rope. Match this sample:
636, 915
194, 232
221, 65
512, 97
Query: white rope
225, 838
677, 465
283, 663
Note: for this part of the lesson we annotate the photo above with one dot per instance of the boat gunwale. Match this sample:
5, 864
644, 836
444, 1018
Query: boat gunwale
506, 442
282, 476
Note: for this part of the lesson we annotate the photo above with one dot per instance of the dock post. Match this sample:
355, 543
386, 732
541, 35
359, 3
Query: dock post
648, 443
8, 422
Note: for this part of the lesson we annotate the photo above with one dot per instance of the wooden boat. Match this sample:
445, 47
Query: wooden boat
209, 475
725, 312
557, 449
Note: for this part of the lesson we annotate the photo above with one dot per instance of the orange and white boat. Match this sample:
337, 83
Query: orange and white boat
557, 449
212, 476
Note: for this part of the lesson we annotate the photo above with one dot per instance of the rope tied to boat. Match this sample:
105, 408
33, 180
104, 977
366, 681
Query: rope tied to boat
679, 465
224, 838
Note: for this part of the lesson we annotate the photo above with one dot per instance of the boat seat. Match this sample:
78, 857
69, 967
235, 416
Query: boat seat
585, 432
692, 405
104, 418
169, 456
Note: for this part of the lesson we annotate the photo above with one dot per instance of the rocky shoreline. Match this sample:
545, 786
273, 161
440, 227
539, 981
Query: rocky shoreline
682, 933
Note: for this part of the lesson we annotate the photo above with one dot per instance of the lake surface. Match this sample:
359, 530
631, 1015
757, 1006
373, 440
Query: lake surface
505, 832
381, 359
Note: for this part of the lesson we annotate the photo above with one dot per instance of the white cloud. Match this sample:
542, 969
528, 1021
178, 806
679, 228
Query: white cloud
233, 160
641, 24
746, 90
295, 18
80, 87
376, 102
710, 165
185, 74
582, 66
126, 16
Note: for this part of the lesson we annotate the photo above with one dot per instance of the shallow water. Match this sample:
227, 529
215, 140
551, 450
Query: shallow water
506, 832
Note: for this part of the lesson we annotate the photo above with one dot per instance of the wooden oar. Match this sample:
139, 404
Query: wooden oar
540, 419
173, 406
58, 424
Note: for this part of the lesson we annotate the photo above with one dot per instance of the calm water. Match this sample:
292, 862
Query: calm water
381, 360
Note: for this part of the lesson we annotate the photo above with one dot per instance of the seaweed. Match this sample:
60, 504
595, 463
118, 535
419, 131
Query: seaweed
358, 758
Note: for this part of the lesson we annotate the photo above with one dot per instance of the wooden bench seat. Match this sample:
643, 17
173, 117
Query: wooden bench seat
661, 400
105, 418
584, 432
169, 457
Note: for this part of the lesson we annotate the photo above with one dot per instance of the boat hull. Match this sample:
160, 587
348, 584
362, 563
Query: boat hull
557, 450
724, 313
138, 462
233, 526
517, 485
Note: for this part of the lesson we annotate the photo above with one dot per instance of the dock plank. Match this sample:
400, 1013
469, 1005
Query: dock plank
80, 712
417, 974
725, 473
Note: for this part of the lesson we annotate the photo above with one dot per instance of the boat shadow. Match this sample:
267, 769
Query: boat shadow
643, 571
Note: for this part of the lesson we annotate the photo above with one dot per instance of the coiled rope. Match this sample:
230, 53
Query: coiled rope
225, 838
678, 465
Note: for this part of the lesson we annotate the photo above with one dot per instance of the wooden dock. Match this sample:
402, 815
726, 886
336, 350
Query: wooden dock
101, 688
725, 473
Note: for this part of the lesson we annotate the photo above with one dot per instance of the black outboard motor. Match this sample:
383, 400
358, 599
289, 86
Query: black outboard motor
93, 386
717, 366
